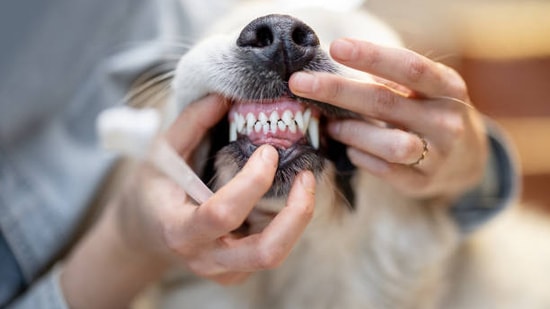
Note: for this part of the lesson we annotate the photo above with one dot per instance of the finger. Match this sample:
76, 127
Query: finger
439, 119
391, 145
399, 65
227, 209
231, 278
409, 180
367, 99
270, 248
194, 122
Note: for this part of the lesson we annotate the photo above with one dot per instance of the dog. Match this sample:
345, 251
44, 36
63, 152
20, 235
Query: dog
368, 246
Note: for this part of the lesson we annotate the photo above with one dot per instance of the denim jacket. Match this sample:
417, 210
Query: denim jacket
63, 61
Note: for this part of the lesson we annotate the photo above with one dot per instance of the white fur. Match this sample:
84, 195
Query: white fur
391, 252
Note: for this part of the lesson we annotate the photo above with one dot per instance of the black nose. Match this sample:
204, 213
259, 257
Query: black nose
280, 43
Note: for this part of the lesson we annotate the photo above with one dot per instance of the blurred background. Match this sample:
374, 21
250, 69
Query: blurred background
502, 49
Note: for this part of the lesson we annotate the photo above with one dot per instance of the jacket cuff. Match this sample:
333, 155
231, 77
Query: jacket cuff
498, 189
45, 293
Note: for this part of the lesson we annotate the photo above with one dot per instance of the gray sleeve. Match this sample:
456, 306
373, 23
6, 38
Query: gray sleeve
45, 293
500, 185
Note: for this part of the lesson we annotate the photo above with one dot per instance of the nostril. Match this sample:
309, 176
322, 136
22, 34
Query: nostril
259, 36
304, 36
264, 37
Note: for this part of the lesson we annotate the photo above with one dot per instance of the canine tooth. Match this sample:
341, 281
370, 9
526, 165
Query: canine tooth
287, 117
282, 126
258, 127
307, 117
313, 131
232, 131
240, 123
299, 118
263, 118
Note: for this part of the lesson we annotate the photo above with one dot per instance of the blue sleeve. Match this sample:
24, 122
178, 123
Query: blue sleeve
45, 293
500, 186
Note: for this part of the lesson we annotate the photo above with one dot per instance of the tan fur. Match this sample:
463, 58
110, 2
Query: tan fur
346, 260
391, 252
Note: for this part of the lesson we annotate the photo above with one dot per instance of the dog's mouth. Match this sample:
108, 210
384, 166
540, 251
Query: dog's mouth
283, 123
289, 125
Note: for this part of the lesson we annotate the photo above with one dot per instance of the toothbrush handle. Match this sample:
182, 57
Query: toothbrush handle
166, 159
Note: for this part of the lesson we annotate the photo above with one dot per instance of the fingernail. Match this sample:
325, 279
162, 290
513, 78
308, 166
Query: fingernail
343, 49
302, 82
269, 154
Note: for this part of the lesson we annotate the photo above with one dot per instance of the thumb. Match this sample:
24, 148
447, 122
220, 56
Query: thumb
194, 122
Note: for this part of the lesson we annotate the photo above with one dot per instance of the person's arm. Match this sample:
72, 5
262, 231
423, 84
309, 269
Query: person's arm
104, 272
153, 224
497, 190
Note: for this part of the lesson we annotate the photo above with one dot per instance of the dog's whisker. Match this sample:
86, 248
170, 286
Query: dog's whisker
180, 44
149, 89
154, 98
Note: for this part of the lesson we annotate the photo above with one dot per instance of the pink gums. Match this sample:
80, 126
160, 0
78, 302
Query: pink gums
280, 139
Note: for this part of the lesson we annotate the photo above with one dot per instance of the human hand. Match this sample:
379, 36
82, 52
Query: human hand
158, 218
418, 100
153, 224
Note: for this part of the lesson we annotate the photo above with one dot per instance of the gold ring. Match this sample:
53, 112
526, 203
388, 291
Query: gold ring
424, 151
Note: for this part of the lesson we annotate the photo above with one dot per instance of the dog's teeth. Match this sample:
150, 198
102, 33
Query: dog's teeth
240, 122
258, 127
287, 117
250, 121
273, 126
307, 117
274, 122
263, 118
232, 131
292, 127
282, 126
313, 131
299, 118
274, 117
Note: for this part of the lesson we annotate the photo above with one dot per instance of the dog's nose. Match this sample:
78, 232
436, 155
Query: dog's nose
280, 43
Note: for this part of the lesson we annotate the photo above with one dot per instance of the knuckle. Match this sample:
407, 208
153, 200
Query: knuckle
308, 211
370, 55
270, 257
453, 124
174, 242
404, 148
457, 85
384, 102
333, 90
416, 68
221, 217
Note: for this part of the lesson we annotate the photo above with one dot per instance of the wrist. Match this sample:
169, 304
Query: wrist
104, 272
